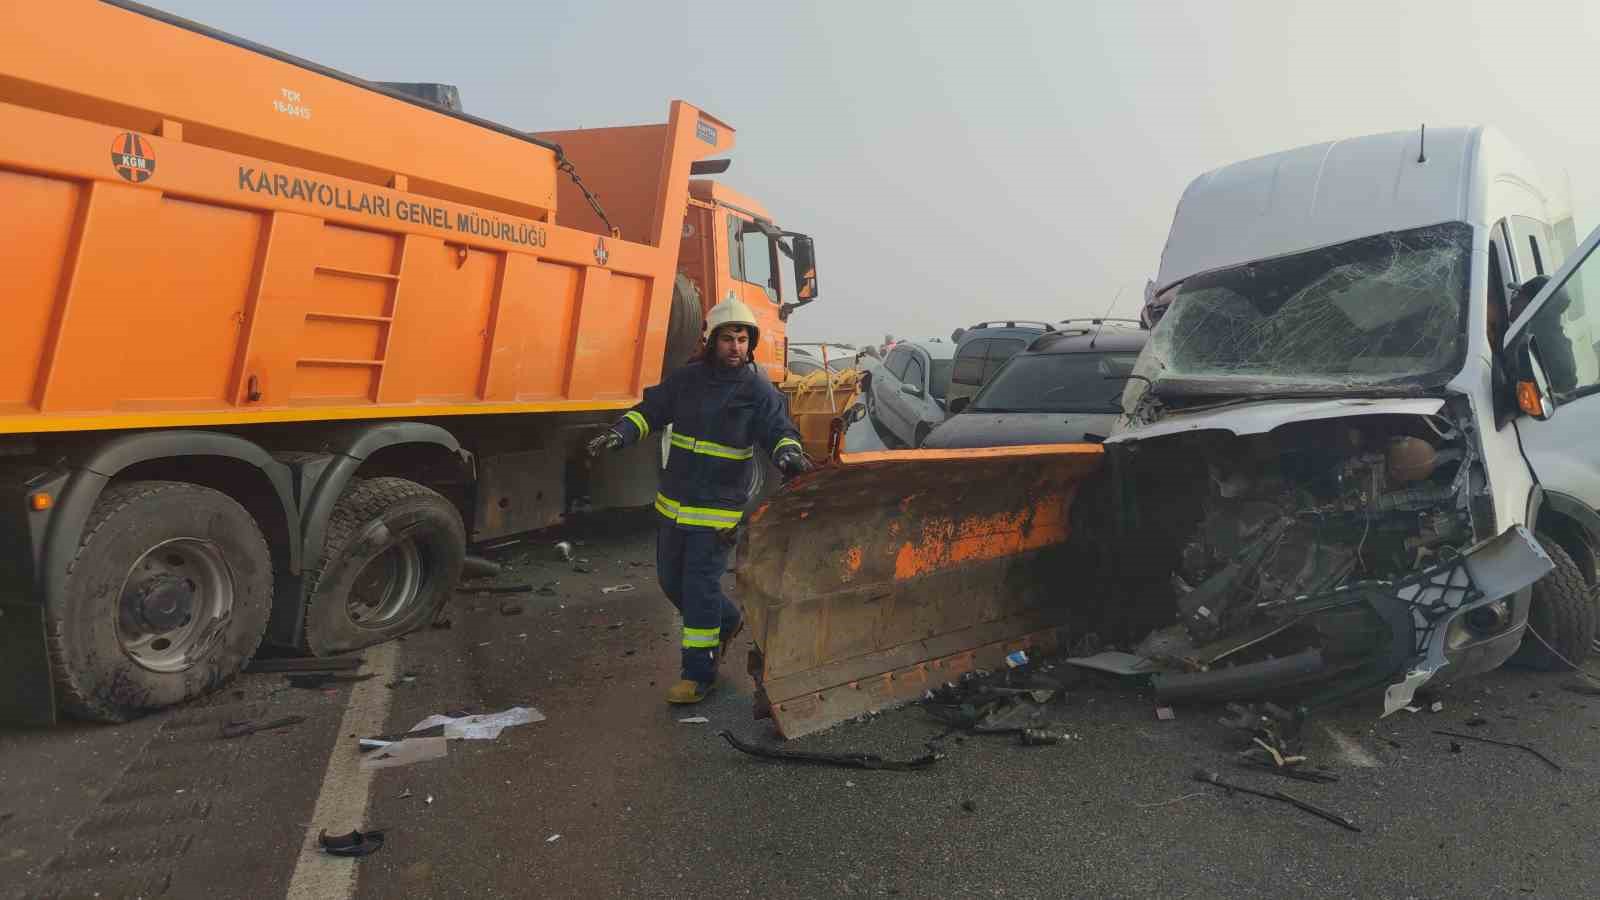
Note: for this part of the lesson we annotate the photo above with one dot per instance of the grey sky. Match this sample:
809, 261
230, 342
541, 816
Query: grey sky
957, 161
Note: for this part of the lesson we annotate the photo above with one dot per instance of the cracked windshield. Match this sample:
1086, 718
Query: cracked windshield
1381, 311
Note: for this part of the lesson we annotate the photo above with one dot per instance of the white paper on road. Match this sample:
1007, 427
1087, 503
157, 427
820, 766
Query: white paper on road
404, 753
485, 727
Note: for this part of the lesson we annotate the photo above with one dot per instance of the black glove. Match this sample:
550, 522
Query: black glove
791, 461
729, 536
606, 440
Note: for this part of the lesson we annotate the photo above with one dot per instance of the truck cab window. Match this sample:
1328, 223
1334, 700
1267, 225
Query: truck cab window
758, 268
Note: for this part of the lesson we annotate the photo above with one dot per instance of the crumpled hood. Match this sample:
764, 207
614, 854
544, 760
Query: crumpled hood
1260, 418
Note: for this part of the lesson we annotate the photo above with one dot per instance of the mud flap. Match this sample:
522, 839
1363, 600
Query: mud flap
25, 666
882, 575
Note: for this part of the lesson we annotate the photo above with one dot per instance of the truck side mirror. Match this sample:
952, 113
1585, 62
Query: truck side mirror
1533, 385
805, 268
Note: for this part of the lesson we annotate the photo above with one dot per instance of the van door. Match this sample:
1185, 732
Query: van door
1563, 323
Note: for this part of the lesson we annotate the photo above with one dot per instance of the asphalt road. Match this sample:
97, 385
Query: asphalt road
647, 806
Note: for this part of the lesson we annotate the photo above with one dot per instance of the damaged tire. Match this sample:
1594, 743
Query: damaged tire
166, 600
392, 556
1563, 612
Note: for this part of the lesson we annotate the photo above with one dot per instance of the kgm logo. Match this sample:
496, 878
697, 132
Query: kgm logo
133, 157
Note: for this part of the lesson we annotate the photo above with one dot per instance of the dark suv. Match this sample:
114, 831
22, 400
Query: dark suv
1065, 388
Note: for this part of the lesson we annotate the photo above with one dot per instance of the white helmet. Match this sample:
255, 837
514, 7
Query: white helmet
732, 311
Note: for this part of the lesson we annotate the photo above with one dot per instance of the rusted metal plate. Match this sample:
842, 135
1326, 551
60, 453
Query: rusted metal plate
885, 563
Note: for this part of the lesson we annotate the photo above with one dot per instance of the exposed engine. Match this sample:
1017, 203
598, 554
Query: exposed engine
1275, 554
1313, 506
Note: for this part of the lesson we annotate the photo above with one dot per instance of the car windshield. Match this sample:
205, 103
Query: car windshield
1058, 383
939, 380
1381, 312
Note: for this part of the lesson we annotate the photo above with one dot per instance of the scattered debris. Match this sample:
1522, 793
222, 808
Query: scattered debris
845, 760
617, 589
1582, 687
478, 567
240, 729
496, 589
1455, 746
1042, 696
969, 806
1115, 662
442, 623
564, 550
404, 679
1165, 713
1016, 658
1483, 740
428, 800
552, 839
306, 664
548, 589
1476, 722
583, 570
403, 752
356, 843
1169, 802
1298, 773
1040, 737
1205, 777
1274, 732
405, 794
316, 681
694, 720
1437, 706
510, 609
486, 727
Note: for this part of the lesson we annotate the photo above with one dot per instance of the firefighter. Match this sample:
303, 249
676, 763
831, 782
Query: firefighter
720, 408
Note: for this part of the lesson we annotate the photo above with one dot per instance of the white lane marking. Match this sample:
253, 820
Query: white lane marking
1351, 750
342, 802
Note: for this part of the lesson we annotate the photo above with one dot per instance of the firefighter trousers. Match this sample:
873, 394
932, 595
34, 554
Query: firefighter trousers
690, 563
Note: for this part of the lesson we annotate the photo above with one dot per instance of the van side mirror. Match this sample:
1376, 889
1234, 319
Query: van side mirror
959, 403
911, 390
1533, 385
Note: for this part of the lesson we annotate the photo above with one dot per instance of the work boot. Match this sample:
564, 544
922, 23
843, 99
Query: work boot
687, 691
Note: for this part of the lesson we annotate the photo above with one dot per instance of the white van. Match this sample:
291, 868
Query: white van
1324, 433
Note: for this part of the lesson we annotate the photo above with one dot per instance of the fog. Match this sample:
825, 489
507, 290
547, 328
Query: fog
960, 161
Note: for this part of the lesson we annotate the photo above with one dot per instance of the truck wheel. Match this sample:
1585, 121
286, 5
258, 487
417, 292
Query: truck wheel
1563, 613
165, 600
683, 325
392, 556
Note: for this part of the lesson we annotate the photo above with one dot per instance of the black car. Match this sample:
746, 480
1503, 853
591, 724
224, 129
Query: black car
1065, 388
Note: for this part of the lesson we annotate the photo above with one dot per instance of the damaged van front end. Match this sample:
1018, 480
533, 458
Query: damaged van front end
1298, 457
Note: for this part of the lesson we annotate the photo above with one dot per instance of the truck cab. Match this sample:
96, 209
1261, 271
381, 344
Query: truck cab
731, 246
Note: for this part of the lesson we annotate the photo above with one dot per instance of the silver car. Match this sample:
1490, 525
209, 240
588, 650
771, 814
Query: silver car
905, 394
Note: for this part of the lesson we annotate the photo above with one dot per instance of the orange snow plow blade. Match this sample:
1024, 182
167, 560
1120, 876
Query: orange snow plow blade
883, 574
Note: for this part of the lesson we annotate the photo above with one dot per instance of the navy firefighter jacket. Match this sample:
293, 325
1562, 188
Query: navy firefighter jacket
718, 417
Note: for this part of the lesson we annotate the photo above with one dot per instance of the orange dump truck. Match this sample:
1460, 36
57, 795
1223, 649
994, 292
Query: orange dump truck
279, 343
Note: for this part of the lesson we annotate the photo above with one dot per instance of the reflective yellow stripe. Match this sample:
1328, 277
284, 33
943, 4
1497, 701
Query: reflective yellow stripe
711, 448
701, 638
702, 516
638, 422
787, 442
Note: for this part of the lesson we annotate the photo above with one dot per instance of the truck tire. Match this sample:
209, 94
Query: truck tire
683, 325
165, 600
393, 555
1563, 612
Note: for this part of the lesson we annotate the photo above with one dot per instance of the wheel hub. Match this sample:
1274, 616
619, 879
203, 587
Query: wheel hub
165, 602
172, 599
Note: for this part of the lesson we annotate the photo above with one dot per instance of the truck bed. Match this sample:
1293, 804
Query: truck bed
283, 245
